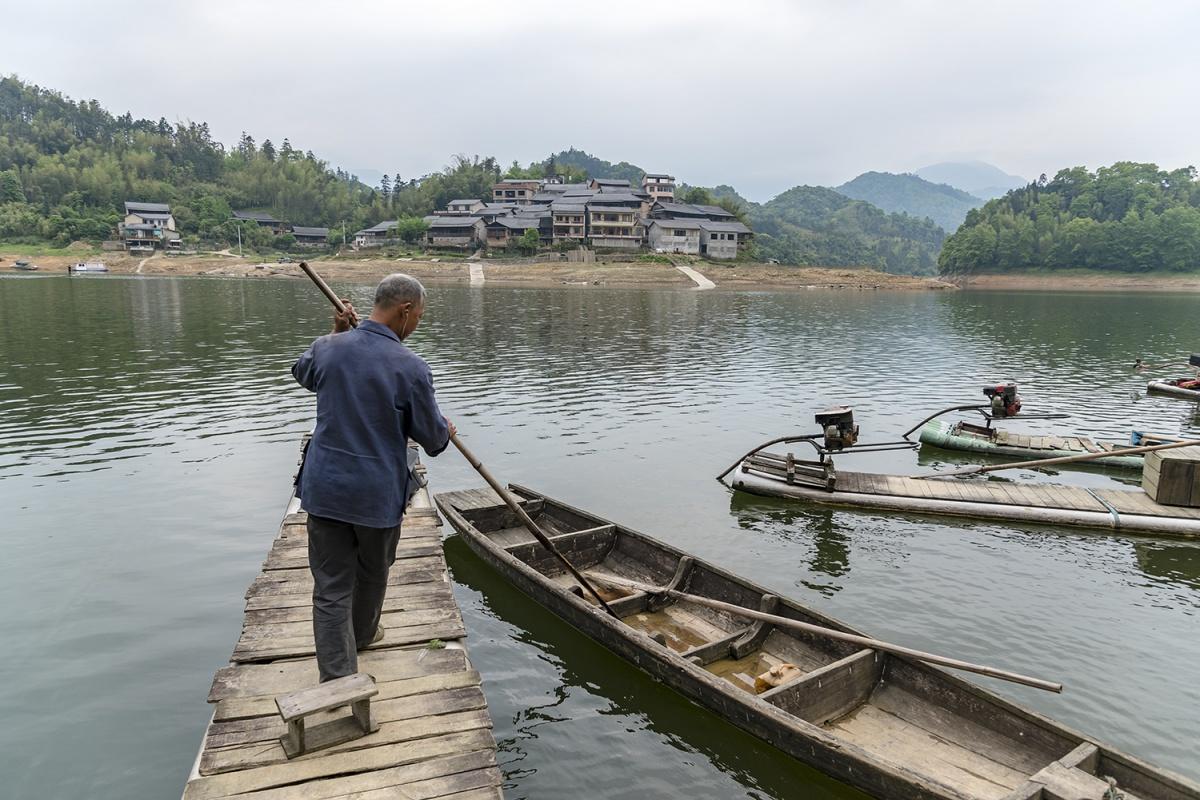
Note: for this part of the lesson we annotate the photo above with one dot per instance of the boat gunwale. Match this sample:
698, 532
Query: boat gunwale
684, 675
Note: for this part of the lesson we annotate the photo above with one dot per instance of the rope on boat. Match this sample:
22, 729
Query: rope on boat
1111, 510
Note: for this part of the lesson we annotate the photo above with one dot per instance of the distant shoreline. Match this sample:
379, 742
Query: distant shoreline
627, 274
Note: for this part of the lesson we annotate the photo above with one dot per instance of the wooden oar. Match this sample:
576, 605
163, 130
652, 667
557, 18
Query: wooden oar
497, 487
841, 636
1048, 462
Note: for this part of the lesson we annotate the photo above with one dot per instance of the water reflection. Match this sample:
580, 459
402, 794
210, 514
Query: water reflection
823, 530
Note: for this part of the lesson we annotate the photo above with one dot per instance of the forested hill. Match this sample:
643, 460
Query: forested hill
814, 225
914, 196
1129, 217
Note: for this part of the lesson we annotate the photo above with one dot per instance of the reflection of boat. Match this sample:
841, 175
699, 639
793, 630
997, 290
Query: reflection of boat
1173, 561
89, 266
1183, 388
997, 442
890, 725
24, 266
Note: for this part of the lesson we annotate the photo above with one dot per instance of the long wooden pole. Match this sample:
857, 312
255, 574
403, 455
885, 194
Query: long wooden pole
1047, 462
497, 487
842, 636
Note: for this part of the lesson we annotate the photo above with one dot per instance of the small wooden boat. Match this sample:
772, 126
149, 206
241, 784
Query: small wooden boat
998, 442
1173, 388
88, 266
892, 726
25, 266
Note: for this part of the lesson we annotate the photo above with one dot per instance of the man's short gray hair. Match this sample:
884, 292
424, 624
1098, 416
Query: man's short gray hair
399, 288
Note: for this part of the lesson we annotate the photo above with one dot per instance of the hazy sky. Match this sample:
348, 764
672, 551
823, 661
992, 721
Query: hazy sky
762, 95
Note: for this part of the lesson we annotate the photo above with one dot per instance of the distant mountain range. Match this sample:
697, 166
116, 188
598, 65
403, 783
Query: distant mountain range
979, 178
914, 196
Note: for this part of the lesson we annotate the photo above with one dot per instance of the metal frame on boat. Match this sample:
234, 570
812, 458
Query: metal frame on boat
890, 725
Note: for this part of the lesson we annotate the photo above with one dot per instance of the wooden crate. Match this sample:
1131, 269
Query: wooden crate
1172, 477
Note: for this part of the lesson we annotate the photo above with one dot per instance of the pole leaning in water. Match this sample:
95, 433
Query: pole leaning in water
497, 487
1049, 462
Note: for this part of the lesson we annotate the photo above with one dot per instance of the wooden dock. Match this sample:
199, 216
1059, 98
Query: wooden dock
434, 738
1129, 510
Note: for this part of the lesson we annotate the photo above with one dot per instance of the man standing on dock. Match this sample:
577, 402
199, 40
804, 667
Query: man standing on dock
373, 396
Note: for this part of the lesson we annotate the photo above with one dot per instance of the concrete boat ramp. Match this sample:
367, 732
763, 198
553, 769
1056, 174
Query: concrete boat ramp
434, 737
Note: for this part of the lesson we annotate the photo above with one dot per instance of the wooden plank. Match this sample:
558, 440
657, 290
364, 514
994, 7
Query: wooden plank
264, 705
389, 620
386, 665
306, 772
226, 759
271, 649
435, 598
270, 728
324, 696
303, 596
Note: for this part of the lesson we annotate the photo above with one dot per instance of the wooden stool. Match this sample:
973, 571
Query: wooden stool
354, 690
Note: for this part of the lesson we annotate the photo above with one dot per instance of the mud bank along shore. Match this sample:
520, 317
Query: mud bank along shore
506, 272
1081, 281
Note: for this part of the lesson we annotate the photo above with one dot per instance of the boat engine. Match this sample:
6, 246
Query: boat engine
1004, 399
837, 423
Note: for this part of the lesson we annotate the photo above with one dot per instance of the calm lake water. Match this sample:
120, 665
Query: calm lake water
149, 430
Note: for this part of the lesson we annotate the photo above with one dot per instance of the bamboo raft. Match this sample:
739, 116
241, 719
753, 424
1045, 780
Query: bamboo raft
434, 735
889, 724
1127, 510
999, 442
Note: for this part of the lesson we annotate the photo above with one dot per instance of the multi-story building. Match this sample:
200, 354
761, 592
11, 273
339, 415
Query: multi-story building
569, 220
148, 226
722, 239
515, 190
614, 220
465, 206
454, 231
674, 235
659, 187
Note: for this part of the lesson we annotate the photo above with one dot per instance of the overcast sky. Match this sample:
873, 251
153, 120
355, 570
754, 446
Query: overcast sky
758, 94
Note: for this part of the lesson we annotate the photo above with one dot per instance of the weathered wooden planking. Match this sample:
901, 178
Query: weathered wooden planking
302, 595
361, 765
225, 759
269, 649
434, 597
269, 728
233, 708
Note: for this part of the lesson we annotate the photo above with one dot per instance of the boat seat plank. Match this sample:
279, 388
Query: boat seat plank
1089, 445
830, 691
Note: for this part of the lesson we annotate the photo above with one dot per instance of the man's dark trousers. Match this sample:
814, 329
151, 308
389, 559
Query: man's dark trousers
350, 565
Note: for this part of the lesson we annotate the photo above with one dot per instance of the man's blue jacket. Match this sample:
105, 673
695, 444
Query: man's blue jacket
373, 395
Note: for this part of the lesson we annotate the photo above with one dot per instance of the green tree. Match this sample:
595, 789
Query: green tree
529, 241
10, 187
411, 230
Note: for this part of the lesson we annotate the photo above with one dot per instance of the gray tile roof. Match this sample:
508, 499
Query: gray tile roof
452, 222
464, 201
614, 199
683, 223
562, 207
256, 216
153, 208
516, 223
300, 230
